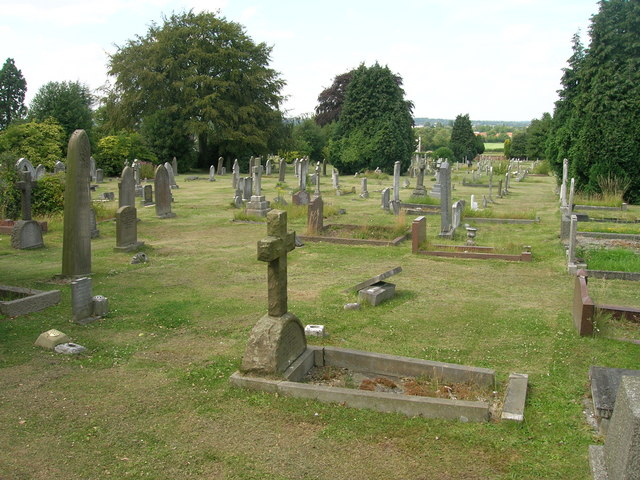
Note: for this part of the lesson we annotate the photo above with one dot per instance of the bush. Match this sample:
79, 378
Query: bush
542, 168
9, 194
48, 195
443, 152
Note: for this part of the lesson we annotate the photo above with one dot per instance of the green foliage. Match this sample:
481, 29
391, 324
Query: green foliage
519, 145
507, 148
113, 150
48, 195
463, 140
208, 78
597, 119
479, 142
9, 194
375, 126
537, 133
614, 259
500, 168
309, 139
13, 88
433, 137
69, 103
39, 142
443, 152
542, 168
168, 136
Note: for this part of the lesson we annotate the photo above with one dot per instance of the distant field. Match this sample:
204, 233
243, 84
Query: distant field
493, 146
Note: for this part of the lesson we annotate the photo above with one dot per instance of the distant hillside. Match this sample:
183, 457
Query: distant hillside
446, 121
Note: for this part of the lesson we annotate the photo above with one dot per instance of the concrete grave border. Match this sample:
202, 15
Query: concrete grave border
31, 301
383, 365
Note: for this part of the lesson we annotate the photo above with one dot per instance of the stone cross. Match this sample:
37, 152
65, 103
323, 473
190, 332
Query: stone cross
257, 180
273, 249
25, 186
317, 192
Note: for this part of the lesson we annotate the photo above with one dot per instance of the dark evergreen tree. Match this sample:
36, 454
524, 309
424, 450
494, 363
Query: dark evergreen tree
375, 128
519, 145
463, 140
608, 141
207, 74
537, 134
13, 88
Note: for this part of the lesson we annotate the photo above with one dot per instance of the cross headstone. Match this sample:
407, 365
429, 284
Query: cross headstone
25, 185
317, 181
76, 243
273, 249
136, 171
420, 191
24, 165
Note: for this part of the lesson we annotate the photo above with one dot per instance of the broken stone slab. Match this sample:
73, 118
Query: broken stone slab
352, 306
376, 279
515, 397
315, 331
70, 348
377, 293
51, 338
605, 383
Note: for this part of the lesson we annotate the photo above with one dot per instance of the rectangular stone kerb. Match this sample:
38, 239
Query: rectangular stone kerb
273, 249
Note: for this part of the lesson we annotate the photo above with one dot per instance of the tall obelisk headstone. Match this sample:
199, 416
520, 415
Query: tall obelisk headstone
76, 240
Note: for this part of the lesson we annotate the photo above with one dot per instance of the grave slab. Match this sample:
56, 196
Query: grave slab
515, 398
376, 279
377, 293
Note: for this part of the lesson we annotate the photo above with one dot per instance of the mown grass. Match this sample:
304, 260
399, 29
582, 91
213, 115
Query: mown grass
616, 259
151, 398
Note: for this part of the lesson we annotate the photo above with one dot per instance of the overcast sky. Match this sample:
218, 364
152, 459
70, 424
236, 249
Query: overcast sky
492, 59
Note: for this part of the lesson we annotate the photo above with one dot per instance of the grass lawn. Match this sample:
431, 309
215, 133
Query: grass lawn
152, 398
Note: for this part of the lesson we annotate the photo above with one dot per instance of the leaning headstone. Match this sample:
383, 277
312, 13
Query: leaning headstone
277, 339
86, 308
282, 170
619, 458
171, 174
76, 243
127, 229
126, 188
315, 216
59, 167
41, 171
212, 174
162, 189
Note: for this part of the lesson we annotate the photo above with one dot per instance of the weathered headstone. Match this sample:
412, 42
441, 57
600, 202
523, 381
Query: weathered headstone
420, 191
85, 307
41, 171
446, 229
94, 232
619, 458
385, 198
277, 339
315, 216
220, 165
572, 191
456, 213
76, 243
162, 189
92, 169
563, 186
24, 165
127, 229
282, 170
212, 174
317, 192
267, 167
247, 190
174, 166
364, 193
147, 195
171, 175
235, 171
257, 205
126, 188
99, 175
395, 203
59, 167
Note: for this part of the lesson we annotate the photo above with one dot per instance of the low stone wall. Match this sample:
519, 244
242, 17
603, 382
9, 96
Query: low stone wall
28, 300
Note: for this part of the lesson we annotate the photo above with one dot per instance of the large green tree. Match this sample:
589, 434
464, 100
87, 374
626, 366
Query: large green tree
69, 103
537, 134
375, 127
39, 142
463, 140
13, 88
209, 80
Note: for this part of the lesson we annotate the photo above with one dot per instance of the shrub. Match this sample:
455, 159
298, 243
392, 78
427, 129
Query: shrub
48, 195
542, 168
443, 152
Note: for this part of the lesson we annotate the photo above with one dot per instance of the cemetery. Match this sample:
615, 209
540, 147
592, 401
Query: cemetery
458, 353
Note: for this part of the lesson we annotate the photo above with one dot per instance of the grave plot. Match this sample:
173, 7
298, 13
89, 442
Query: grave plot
15, 301
419, 240
347, 234
278, 360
